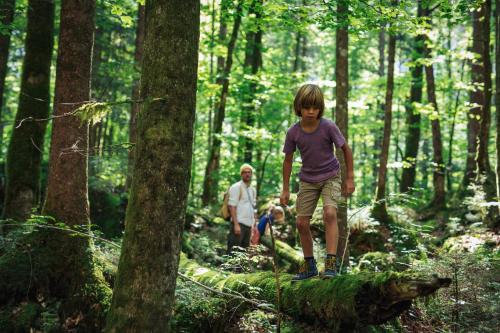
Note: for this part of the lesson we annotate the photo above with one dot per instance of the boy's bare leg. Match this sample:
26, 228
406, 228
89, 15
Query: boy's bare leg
303, 226
331, 229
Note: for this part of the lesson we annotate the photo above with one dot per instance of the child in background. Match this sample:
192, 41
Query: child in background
319, 176
275, 214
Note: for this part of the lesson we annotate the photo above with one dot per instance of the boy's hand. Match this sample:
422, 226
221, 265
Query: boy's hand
284, 197
348, 187
237, 229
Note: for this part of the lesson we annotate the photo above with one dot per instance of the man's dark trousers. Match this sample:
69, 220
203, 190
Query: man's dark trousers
243, 240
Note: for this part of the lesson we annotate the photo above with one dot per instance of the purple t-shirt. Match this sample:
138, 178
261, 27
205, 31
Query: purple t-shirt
316, 149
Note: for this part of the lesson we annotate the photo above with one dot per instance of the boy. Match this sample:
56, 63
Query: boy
275, 214
319, 176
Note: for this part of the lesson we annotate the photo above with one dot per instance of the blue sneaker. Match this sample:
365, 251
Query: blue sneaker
330, 268
307, 270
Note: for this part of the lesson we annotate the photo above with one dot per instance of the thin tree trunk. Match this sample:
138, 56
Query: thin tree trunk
139, 46
25, 153
211, 178
303, 53
380, 208
380, 108
483, 159
7, 16
412, 117
212, 76
298, 63
425, 163
439, 200
449, 166
341, 113
219, 76
95, 129
144, 289
497, 96
477, 97
253, 61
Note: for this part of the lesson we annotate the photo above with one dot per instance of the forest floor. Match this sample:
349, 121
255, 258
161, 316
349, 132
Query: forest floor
465, 251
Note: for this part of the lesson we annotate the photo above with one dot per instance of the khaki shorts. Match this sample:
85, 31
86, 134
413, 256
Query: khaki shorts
307, 198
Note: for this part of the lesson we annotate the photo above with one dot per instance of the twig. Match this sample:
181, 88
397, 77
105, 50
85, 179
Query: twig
276, 275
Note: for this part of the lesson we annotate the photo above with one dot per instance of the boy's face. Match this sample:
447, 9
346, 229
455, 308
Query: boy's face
278, 216
309, 113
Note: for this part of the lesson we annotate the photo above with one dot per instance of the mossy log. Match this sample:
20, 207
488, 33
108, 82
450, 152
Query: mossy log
283, 251
343, 303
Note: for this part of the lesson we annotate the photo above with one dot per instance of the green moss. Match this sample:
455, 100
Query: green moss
376, 261
31, 269
327, 300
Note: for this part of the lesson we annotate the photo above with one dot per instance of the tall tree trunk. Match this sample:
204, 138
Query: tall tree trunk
212, 76
303, 53
253, 61
478, 120
211, 179
219, 76
483, 159
298, 64
439, 200
449, 164
341, 114
74, 274
139, 46
380, 108
25, 153
497, 96
95, 129
380, 208
412, 117
7, 16
67, 198
144, 289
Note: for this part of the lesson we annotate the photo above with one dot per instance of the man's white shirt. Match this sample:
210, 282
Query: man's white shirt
245, 205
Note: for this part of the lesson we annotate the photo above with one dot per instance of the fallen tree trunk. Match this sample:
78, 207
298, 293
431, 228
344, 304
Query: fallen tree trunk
344, 303
283, 251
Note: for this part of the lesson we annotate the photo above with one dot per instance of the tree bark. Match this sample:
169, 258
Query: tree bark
413, 117
139, 46
7, 13
380, 208
73, 277
439, 200
380, 108
211, 179
67, 198
479, 113
345, 303
252, 63
25, 152
144, 289
341, 113
497, 96
483, 160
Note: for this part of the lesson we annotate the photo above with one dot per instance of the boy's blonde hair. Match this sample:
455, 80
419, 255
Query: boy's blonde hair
309, 95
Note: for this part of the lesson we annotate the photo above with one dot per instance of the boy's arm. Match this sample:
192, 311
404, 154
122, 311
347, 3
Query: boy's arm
287, 171
349, 179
